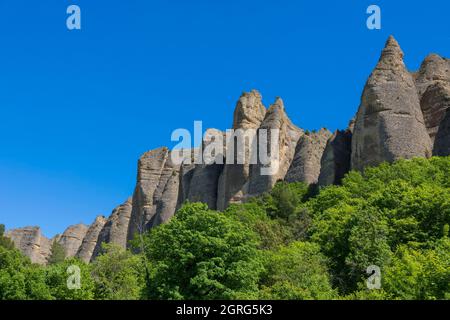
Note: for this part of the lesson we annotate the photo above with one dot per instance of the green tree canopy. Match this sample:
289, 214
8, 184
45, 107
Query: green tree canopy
203, 254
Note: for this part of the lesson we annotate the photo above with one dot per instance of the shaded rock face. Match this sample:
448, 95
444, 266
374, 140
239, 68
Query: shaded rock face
433, 87
89, 243
389, 124
335, 162
305, 166
199, 182
433, 69
399, 112
442, 142
32, 243
165, 200
204, 184
186, 174
233, 182
156, 193
72, 239
434, 102
287, 139
115, 229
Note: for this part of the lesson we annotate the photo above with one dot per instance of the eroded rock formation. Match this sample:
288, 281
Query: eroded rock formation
72, 238
305, 166
389, 124
32, 243
234, 179
400, 114
264, 175
335, 162
90, 240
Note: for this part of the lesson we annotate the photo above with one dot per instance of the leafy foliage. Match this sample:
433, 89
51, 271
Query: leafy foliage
202, 254
295, 242
117, 274
58, 254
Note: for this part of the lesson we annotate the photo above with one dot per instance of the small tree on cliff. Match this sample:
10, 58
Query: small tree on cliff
58, 254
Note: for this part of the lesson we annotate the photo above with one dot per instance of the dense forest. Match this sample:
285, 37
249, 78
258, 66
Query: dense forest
296, 242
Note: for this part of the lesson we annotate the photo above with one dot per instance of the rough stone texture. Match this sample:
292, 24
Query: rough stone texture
233, 182
150, 167
203, 179
249, 111
90, 240
305, 166
186, 173
166, 195
72, 238
335, 161
399, 112
442, 142
289, 135
433, 87
432, 70
389, 124
115, 229
434, 102
156, 193
31, 242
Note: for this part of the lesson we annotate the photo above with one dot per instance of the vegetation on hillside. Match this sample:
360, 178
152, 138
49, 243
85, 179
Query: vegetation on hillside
292, 243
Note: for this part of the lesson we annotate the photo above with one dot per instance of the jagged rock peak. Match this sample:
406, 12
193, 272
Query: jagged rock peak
233, 179
391, 56
434, 68
249, 111
389, 123
289, 134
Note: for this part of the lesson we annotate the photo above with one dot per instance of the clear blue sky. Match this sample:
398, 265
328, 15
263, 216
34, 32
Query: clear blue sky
77, 108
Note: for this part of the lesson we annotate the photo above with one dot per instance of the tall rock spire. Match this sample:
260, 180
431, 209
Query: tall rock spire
276, 118
389, 123
233, 181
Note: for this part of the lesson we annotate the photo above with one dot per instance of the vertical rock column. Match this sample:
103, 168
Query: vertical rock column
305, 166
90, 240
115, 229
389, 124
288, 137
233, 182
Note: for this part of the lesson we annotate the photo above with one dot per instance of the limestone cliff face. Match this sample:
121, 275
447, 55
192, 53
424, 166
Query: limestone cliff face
442, 142
335, 162
199, 183
389, 123
288, 136
32, 243
306, 164
155, 196
72, 239
401, 115
90, 240
115, 229
433, 87
233, 181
